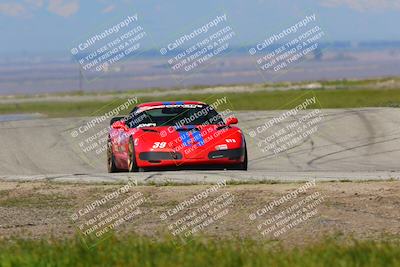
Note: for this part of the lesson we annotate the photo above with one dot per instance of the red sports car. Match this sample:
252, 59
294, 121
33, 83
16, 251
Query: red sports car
175, 135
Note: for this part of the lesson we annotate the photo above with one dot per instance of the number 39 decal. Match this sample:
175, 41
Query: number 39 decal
159, 144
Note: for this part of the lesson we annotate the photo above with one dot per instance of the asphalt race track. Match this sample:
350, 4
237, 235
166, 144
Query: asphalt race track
348, 144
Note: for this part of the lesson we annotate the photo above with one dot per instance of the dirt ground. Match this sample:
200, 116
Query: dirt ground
363, 210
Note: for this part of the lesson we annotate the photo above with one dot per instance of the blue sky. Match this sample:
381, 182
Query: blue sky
56, 25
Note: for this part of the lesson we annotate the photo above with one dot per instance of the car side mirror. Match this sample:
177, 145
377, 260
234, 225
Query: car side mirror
119, 125
231, 121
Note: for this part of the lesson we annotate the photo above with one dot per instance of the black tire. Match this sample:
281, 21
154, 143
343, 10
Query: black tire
243, 166
111, 167
132, 167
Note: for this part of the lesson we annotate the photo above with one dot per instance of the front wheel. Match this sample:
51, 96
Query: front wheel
132, 167
111, 166
243, 165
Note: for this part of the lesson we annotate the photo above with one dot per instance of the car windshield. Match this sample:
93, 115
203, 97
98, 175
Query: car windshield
174, 116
